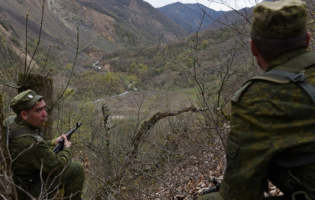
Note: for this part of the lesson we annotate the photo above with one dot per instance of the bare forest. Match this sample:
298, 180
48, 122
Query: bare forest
156, 141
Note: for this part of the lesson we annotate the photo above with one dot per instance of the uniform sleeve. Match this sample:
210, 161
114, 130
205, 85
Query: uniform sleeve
247, 153
51, 143
267, 120
249, 148
50, 162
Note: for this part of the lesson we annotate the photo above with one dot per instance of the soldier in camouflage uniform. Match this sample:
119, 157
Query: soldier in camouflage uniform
273, 116
38, 171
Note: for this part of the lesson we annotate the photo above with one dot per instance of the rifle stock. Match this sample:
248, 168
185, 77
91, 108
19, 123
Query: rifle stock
215, 188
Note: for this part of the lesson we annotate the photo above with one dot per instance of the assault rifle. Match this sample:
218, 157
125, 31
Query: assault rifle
215, 188
60, 144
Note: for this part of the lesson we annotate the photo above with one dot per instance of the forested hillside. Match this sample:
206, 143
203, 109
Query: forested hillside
154, 107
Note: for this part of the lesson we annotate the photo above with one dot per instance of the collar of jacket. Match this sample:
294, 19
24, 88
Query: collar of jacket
15, 122
285, 57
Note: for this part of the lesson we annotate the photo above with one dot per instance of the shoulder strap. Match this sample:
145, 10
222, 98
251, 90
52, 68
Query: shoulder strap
20, 133
296, 64
296, 78
26, 132
290, 72
285, 74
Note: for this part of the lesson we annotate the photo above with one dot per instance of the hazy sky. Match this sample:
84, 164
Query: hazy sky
210, 3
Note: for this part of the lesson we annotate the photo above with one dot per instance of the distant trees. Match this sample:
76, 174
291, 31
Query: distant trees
104, 85
145, 140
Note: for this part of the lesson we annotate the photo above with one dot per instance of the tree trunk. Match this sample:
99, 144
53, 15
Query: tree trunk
108, 169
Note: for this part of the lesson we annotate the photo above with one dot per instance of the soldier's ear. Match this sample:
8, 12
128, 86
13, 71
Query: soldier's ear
24, 115
253, 48
308, 38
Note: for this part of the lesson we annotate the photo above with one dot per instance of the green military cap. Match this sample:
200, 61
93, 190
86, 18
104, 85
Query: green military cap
279, 19
24, 101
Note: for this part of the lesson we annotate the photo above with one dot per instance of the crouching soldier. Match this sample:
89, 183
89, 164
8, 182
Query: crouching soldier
272, 133
38, 171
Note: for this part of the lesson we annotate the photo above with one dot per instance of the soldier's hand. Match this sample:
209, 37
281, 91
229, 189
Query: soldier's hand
58, 139
67, 143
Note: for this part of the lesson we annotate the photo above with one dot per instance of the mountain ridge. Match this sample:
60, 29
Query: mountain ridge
191, 17
122, 23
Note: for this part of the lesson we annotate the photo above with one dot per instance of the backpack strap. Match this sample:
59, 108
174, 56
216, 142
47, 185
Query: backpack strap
288, 72
291, 72
27, 132
295, 78
16, 130
298, 63
20, 133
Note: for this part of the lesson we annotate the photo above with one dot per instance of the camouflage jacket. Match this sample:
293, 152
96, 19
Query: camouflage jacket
31, 152
268, 119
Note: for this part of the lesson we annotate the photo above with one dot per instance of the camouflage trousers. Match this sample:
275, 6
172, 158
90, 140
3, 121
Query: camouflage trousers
71, 179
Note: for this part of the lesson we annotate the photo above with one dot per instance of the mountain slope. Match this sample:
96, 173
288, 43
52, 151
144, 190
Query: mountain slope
232, 18
122, 23
190, 16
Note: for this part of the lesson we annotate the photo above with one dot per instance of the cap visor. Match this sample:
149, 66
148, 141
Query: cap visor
32, 102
